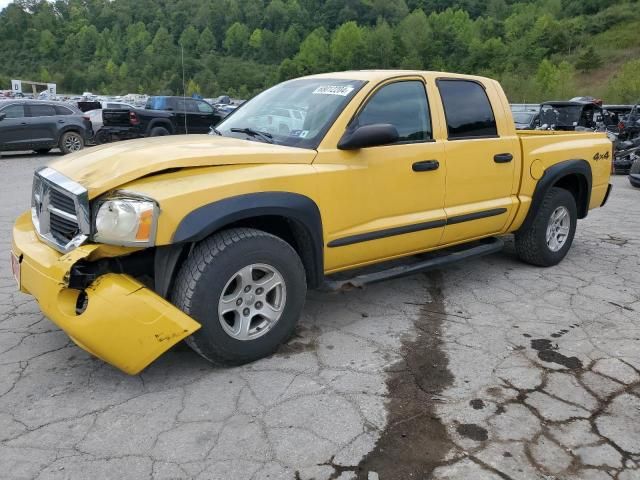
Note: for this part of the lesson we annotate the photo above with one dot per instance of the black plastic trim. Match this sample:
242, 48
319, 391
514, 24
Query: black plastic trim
389, 232
476, 216
550, 177
418, 227
297, 208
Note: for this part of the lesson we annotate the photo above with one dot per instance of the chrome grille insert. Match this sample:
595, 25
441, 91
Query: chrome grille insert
59, 210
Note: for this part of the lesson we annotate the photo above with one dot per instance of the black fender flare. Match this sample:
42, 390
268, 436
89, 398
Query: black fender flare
160, 122
297, 208
551, 177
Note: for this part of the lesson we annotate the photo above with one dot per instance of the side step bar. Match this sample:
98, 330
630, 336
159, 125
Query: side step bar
429, 261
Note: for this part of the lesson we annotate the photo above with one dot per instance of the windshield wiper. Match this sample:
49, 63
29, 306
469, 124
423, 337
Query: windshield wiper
214, 130
267, 137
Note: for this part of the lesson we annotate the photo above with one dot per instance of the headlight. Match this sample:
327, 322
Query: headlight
126, 220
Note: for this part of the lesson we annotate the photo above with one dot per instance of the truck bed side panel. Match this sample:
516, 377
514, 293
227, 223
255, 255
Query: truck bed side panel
542, 149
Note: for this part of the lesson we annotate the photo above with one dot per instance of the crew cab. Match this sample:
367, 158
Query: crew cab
132, 247
161, 116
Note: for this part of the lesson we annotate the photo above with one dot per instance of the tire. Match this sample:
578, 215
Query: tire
532, 245
635, 167
212, 271
42, 151
71, 142
159, 132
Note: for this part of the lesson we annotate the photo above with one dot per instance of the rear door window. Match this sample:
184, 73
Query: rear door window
403, 105
14, 111
467, 109
35, 110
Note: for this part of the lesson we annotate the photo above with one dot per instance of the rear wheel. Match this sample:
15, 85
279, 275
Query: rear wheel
247, 289
635, 167
71, 142
159, 132
549, 237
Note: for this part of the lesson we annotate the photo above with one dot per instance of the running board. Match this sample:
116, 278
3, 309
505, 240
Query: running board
433, 260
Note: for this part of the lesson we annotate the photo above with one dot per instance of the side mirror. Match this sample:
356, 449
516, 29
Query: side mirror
2, 116
368, 136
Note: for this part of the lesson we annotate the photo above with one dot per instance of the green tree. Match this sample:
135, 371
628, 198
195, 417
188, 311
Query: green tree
189, 40
347, 46
589, 60
237, 39
193, 88
206, 42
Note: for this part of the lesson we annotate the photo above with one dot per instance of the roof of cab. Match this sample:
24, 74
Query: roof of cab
379, 75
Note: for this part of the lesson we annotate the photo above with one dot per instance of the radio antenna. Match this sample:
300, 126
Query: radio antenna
184, 91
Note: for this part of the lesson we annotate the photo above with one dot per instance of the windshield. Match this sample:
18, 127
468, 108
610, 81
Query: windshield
296, 113
522, 117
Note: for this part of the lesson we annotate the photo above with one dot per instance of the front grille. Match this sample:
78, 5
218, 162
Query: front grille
60, 210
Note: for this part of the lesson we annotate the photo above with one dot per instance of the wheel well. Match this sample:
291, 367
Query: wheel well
576, 184
292, 232
67, 130
160, 123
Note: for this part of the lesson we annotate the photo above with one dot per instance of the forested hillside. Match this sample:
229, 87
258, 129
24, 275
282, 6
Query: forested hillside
539, 49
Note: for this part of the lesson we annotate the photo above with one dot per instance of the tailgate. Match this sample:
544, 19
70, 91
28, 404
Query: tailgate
112, 117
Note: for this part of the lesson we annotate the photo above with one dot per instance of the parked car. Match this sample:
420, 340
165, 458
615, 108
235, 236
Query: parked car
96, 119
216, 238
526, 120
570, 115
161, 116
40, 126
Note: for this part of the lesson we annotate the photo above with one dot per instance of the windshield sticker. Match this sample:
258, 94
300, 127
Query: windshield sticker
343, 91
299, 133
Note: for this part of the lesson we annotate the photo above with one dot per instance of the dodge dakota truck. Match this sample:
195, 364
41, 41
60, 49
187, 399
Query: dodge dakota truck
135, 246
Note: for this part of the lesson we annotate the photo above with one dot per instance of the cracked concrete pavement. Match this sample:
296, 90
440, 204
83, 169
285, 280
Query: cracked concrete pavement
492, 369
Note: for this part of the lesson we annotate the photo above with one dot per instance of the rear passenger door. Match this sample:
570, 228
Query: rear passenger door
481, 158
43, 125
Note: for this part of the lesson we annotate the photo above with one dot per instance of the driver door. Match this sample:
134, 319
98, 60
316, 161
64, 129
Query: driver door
385, 201
14, 129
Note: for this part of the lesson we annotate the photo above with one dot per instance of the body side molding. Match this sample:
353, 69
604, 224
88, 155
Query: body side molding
417, 227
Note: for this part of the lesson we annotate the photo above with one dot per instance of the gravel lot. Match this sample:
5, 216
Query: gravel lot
488, 370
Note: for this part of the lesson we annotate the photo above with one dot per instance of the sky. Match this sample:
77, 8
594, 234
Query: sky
4, 3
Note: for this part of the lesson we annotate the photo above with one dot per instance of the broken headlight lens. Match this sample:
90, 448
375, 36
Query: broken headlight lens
127, 221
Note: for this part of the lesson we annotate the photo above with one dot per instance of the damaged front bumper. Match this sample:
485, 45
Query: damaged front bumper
117, 319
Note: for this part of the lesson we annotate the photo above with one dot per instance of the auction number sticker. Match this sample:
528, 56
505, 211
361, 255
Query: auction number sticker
343, 91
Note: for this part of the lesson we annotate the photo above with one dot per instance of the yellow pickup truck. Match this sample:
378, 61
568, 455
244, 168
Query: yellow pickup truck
319, 181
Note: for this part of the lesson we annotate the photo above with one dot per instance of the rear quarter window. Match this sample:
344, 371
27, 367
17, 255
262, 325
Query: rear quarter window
60, 110
467, 110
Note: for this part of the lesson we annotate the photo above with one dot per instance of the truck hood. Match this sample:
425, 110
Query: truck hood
106, 167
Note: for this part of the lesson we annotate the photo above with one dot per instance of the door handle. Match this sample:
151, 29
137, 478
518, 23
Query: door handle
425, 166
503, 158
60, 121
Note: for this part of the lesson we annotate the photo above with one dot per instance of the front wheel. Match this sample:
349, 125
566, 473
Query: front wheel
549, 237
247, 289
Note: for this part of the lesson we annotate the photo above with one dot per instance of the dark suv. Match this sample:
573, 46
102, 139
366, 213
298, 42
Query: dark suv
40, 126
